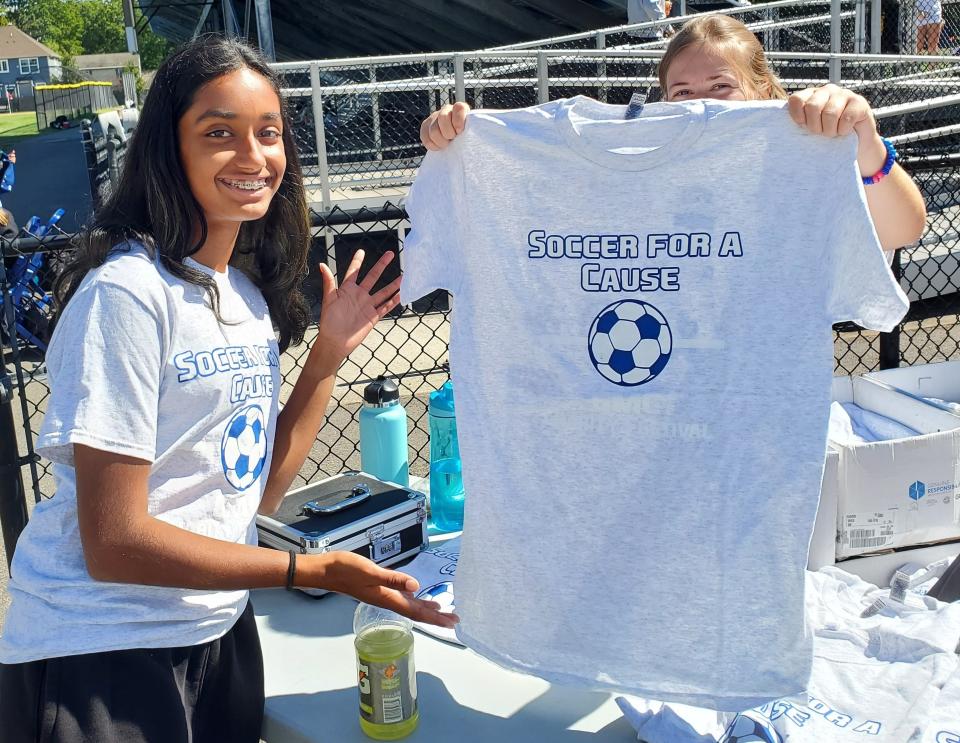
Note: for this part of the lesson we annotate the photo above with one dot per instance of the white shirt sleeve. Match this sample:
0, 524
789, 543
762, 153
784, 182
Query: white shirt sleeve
430, 256
104, 363
863, 288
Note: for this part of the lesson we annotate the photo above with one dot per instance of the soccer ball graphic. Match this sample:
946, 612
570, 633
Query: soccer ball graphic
750, 727
442, 593
630, 342
243, 450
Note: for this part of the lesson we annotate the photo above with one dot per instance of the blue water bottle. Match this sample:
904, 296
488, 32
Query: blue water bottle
446, 478
383, 433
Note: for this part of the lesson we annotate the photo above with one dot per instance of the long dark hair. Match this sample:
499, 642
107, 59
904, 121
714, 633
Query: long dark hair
153, 204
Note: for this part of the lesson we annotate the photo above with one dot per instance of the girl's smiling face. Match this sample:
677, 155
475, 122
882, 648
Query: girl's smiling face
699, 72
231, 146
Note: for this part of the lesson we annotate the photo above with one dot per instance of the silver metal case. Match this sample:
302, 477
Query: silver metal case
353, 511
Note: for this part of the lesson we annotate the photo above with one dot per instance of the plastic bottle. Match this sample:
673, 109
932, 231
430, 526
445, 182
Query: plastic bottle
386, 676
446, 470
383, 433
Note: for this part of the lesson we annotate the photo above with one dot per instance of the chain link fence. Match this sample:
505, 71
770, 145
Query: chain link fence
357, 128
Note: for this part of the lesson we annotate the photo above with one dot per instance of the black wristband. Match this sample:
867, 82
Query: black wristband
291, 570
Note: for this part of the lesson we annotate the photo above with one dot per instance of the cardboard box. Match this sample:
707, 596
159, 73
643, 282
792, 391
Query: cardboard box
898, 493
923, 381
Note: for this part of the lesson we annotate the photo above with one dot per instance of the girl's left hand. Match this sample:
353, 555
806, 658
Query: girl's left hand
833, 112
350, 311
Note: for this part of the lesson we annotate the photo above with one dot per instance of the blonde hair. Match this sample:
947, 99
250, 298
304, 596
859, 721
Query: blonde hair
732, 40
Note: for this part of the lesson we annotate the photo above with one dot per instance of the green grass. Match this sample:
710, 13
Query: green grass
23, 124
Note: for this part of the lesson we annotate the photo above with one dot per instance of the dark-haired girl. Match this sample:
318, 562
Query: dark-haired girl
130, 619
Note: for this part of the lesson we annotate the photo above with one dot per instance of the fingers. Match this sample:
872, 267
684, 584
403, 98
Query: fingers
459, 116
443, 125
386, 293
416, 609
829, 110
354, 268
374, 274
328, 279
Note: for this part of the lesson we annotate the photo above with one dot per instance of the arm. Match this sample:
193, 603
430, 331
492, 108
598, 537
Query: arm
348, 313
123, 543
896, 205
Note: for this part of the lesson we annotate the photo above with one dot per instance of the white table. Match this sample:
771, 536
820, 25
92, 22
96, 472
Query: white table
311, 686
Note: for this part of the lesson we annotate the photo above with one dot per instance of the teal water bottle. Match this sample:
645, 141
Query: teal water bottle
383, 433
446, 472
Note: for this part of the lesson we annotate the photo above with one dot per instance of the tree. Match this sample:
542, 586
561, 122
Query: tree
56, 23
72, 27
69, 72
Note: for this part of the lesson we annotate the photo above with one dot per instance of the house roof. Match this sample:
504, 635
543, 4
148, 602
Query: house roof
105, 61
15, 43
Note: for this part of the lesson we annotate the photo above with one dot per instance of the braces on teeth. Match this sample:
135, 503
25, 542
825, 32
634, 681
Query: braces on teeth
248, 185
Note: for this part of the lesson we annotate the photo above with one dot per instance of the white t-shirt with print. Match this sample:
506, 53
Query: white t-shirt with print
642, 353
139, 365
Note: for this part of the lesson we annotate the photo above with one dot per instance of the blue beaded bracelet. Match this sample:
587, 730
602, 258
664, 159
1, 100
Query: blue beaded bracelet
887, 164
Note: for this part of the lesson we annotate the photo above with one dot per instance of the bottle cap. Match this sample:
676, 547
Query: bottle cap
381, 391
441, 401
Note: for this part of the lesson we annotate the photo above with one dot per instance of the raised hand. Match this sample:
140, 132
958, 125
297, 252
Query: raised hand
833, 112
350, 311
443, 125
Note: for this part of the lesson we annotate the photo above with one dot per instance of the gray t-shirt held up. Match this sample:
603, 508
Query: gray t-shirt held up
642, 354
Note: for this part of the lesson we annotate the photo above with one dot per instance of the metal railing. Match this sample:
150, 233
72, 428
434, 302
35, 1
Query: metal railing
366, 113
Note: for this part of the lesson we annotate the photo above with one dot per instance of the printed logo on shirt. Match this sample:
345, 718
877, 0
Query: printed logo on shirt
789, 714
945, 736
442, 593
750, 727
243, 450
630, 342
917, 490
590, 250
244, 385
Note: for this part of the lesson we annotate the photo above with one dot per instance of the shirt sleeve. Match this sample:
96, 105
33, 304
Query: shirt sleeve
104, 364
863, 288
430, 256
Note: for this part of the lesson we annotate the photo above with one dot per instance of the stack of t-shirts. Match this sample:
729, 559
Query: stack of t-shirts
885, 669
850, 424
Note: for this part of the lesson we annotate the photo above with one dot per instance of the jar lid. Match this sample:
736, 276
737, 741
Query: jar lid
380, 391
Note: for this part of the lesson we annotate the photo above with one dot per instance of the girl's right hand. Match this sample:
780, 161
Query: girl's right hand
441, 127
349, 573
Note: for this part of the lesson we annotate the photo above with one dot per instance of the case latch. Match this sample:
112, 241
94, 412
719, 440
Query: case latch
315, 544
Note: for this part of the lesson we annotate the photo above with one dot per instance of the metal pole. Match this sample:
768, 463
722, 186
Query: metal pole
265, 30
321, 137
602, 67
13, 498
203, 18
860, 27
130, 24
543, 84
835, 47
875, 30
459, 85
375, 113
889, 349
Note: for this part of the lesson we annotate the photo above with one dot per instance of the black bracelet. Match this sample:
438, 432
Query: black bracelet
291, 569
